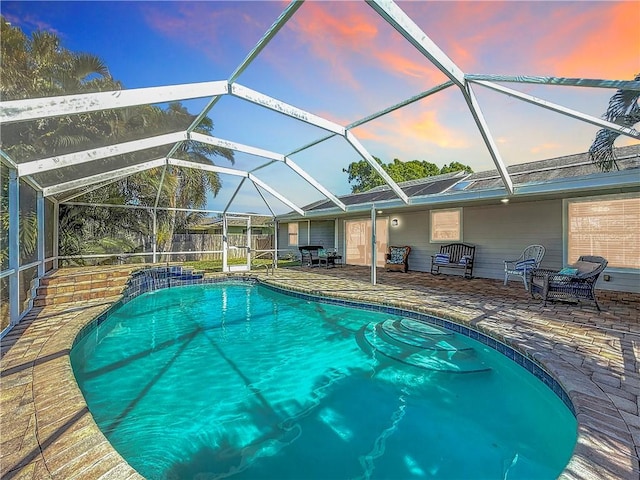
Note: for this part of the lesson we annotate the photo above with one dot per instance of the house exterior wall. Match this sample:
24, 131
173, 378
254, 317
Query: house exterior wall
319, 233
499, 232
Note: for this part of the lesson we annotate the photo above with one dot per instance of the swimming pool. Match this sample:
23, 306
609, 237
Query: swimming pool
238, 380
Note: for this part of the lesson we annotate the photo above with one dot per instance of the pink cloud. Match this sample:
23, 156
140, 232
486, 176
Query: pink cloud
31, 22
200, 26
350, 35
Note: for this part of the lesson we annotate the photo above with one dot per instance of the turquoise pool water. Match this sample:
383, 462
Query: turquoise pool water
239, 381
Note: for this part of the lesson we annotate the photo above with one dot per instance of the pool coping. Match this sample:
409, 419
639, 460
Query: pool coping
600, 425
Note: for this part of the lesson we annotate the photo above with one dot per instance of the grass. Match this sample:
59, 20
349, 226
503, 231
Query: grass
216, 265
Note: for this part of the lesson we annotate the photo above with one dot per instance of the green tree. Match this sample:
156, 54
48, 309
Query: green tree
623, 109
38, 66
363, 177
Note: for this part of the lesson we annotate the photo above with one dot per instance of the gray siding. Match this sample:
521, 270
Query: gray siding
309, 233
413, 230
323, 233
499, 232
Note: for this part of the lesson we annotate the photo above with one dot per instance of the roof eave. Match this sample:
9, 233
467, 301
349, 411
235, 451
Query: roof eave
624, 179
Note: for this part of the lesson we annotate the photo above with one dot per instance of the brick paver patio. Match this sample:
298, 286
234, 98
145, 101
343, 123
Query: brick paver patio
46, 430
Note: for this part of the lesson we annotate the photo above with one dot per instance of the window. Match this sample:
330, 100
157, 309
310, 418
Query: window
293, 234
446, 225
607, 227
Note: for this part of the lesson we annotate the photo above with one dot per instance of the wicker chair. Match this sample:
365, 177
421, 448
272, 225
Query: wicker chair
522, 267
397, 259
574, 283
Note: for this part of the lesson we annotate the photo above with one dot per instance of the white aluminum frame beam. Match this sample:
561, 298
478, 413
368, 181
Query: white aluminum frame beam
304, 116
406, 27
483, 127
77, 158
14, 246
273, 192
399, 20
109, 176
379, 114
239, 173
36, 108
271, 156
555, 81
238, 147
376, 166
265, 202
207, 167
235, 193
271, 103
630, 132
266, 38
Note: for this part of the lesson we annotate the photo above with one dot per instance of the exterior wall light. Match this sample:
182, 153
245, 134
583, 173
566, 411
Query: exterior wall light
394, 222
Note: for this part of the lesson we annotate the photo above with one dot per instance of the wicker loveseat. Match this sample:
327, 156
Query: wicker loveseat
574, 283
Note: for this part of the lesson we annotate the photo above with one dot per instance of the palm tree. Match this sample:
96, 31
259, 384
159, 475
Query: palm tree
624, 110
39, 66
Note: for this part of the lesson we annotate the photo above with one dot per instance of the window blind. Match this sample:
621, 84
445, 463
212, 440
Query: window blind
445, 225
607, 228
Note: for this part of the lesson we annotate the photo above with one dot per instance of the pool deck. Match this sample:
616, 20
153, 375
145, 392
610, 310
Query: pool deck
47, 432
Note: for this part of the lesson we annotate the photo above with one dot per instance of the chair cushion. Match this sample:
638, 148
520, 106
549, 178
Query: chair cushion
568, 271
465, 259
397, 255
525, 264
322, 252
585, 268
441, 258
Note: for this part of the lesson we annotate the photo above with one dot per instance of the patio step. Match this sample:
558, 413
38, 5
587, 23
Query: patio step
447, 361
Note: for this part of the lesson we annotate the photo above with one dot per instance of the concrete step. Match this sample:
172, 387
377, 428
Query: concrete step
71, 275
79, 286
77, 296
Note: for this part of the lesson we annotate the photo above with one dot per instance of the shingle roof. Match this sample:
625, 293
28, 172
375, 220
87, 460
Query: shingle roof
577, 165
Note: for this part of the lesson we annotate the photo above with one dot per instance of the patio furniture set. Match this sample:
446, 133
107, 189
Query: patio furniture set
573, 283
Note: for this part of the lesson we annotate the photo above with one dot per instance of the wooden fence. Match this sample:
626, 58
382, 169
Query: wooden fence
204, 242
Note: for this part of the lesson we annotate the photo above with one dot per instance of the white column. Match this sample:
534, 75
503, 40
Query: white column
225, 244
374, 251
40, 217
14, 246
56, 234
155, 236
249, 253
276, 225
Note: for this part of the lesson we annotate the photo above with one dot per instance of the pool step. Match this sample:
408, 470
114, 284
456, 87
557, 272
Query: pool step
445, 341
449, 361
422, 328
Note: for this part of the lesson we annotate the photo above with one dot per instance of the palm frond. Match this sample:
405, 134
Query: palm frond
624, 110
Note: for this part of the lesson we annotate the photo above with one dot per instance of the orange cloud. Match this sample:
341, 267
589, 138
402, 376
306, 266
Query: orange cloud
406, 130
589, 40
609, 45
545, 147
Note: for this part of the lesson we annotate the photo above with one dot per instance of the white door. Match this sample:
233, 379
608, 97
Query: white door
358, 241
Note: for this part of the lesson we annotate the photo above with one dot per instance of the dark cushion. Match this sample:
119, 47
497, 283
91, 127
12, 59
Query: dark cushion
585, 268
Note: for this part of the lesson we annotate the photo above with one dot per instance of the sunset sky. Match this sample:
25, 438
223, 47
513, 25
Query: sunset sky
342, 61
